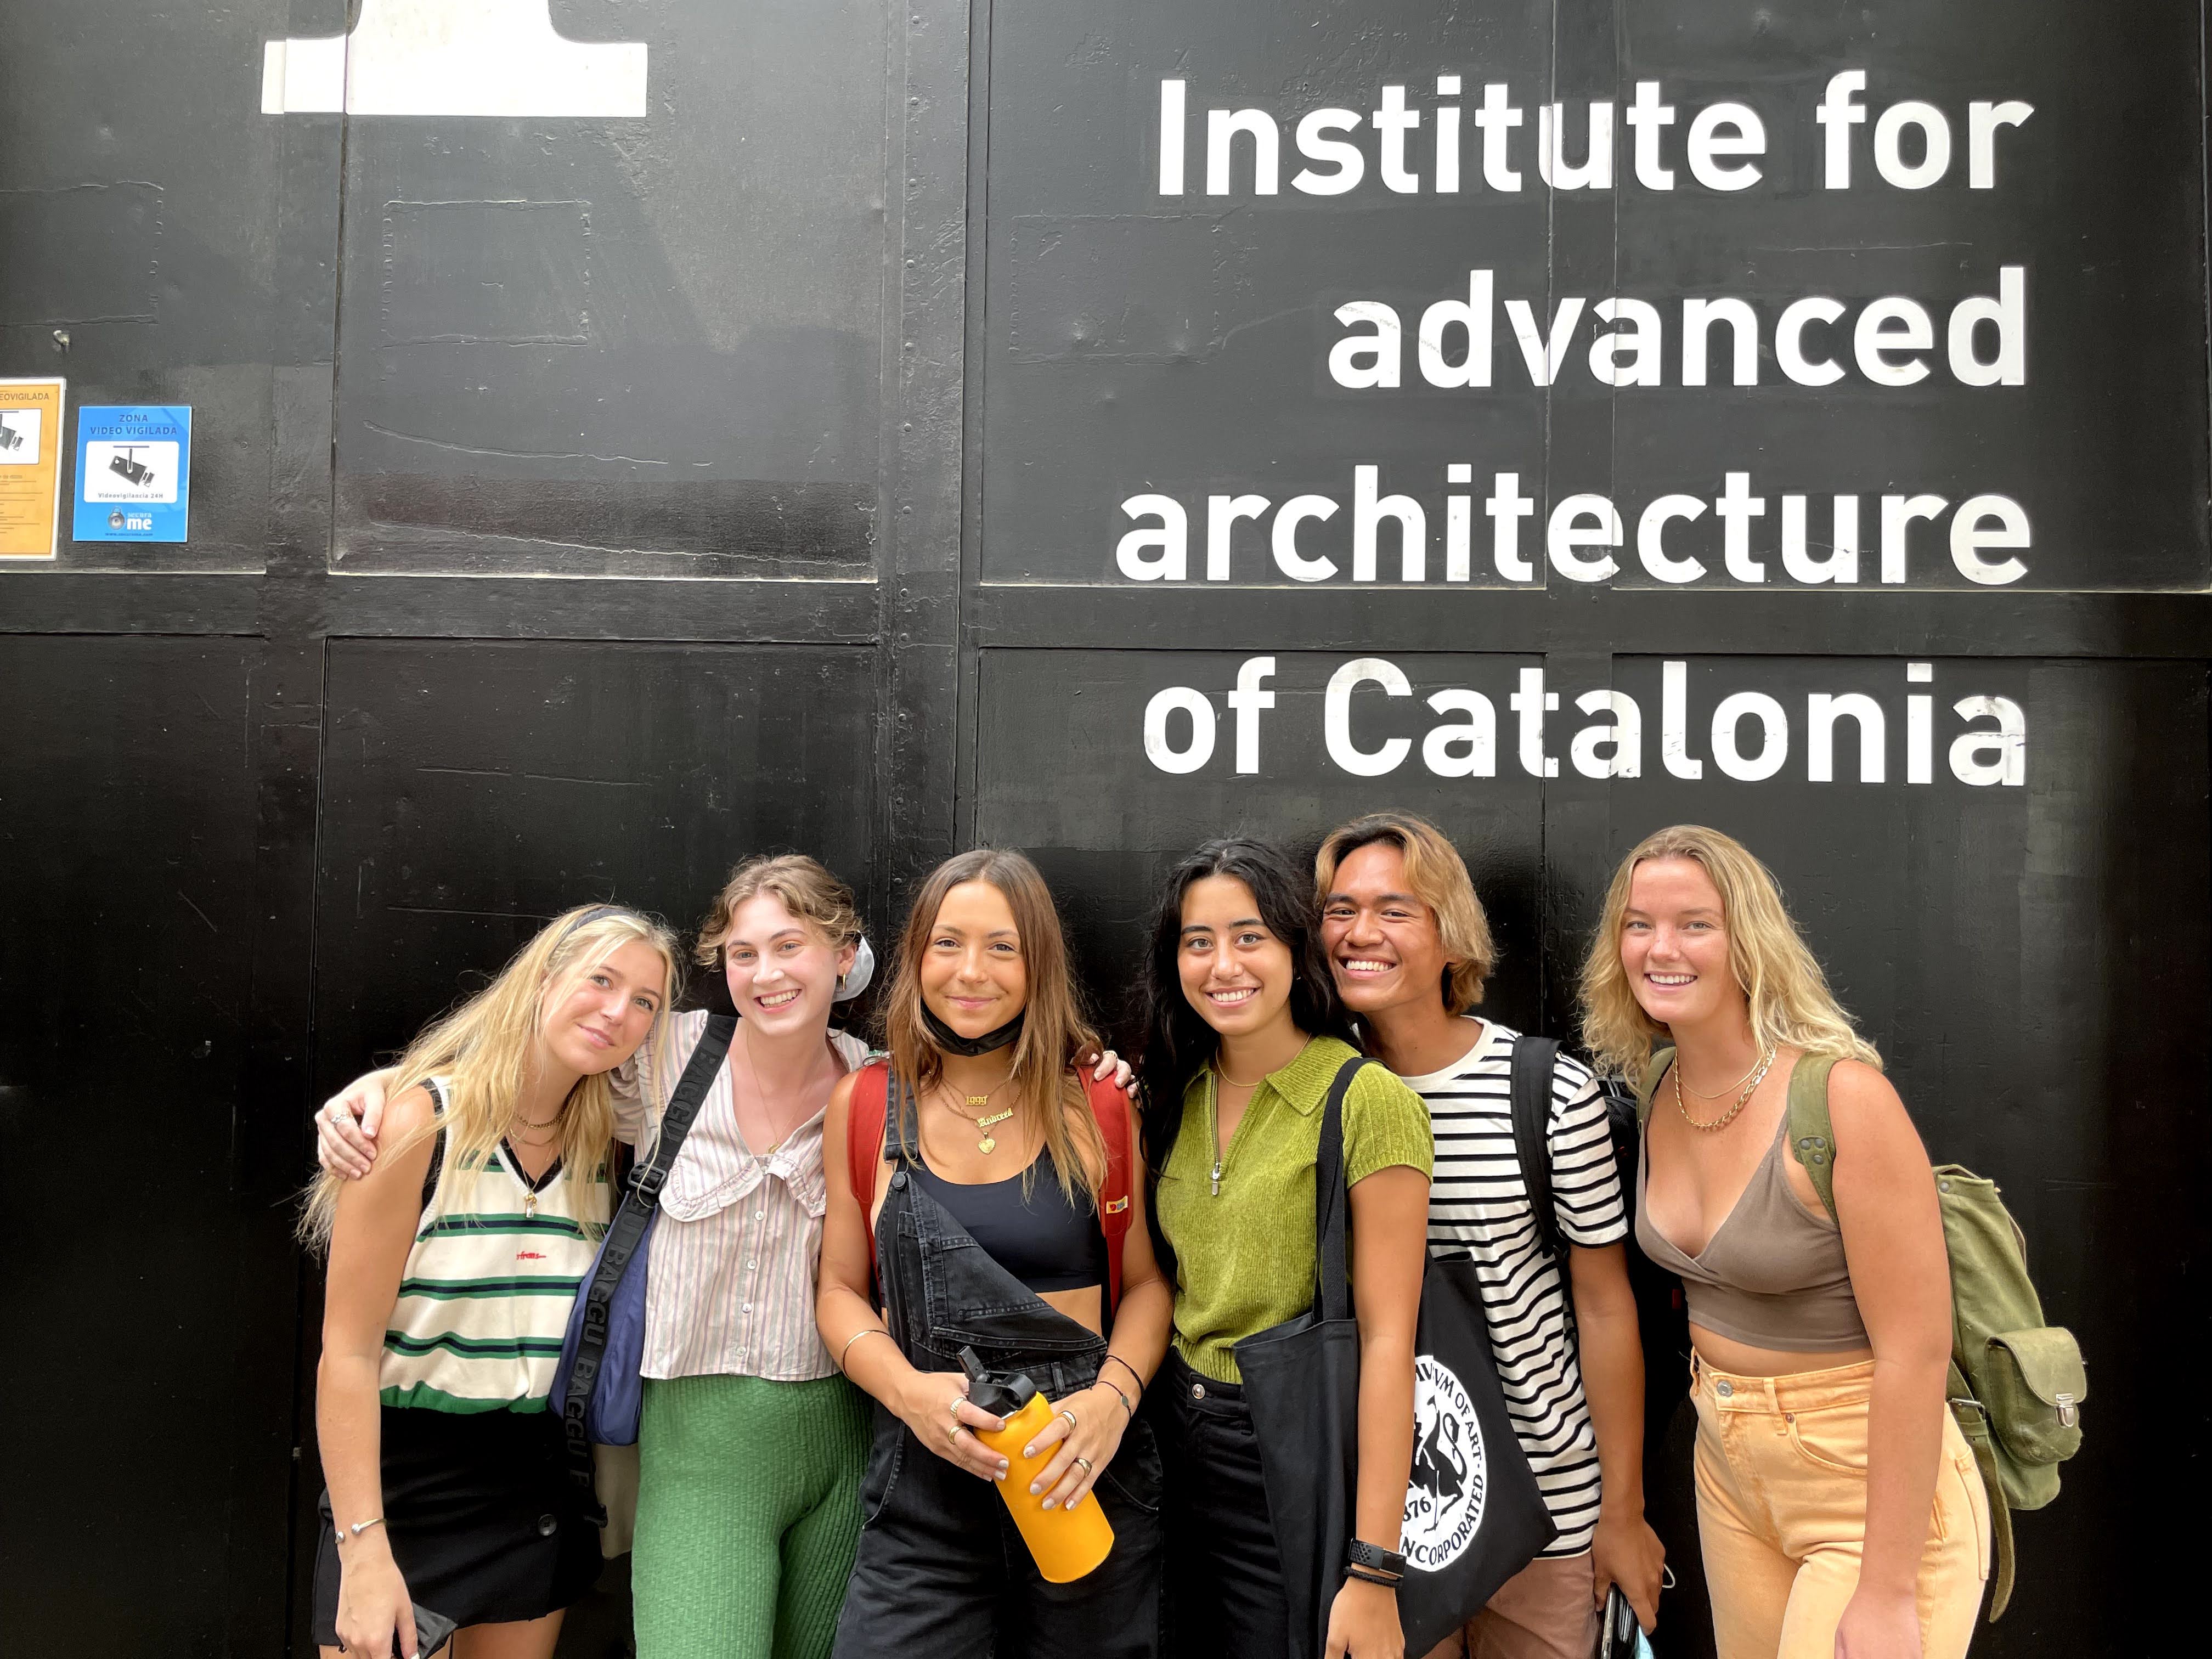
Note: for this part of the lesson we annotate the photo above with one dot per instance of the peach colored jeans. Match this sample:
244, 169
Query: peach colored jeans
1781, 1473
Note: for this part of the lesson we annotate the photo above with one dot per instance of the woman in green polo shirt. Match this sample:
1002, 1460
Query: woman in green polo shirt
1244, 1035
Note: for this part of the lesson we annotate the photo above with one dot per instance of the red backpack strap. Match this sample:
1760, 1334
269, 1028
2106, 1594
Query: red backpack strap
1109, 1105
866, 1108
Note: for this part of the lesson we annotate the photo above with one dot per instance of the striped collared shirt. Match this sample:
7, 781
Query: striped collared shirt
730, 1285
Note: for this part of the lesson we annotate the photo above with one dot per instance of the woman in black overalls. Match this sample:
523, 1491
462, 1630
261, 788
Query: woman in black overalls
983, 1209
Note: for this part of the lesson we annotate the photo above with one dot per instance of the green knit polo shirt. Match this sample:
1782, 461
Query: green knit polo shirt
1245, 1257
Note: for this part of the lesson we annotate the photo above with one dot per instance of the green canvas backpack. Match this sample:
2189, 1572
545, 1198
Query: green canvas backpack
2016, 1385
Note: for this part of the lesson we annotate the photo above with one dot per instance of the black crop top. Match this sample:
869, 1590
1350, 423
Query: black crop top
1042, 1239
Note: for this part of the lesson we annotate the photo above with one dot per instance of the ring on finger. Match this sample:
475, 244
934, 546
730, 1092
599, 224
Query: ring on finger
1072, 1424
955, 1432
1086, 1465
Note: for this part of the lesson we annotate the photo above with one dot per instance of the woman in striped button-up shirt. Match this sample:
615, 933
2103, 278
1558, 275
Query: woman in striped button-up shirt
752, 1445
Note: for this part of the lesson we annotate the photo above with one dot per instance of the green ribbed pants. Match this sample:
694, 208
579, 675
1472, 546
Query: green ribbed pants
748, 1513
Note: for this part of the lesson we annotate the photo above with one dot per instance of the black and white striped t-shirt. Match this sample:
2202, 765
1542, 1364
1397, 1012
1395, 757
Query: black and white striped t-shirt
1479, 1203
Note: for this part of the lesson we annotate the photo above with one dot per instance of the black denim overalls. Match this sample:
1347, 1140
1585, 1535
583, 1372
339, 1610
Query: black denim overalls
942, 1571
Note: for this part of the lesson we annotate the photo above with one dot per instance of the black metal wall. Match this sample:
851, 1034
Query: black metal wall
600, 476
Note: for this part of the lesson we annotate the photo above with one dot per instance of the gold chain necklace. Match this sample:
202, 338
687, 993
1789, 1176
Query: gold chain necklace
988, 1142
1726, 1088
1750, 1088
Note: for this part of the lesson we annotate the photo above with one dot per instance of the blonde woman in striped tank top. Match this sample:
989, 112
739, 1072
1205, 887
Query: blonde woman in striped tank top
453, 1267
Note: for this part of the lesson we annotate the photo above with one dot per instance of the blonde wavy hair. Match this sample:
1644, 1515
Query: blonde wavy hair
1438, 875
1791, 1005
483, 1050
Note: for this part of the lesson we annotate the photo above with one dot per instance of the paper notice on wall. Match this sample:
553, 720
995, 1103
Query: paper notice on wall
134, 467
30, 466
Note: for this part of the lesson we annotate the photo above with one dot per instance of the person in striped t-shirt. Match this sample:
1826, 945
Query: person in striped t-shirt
1410, 947
453, 1265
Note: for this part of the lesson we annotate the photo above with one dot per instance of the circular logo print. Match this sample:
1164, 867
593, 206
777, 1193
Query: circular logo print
1443, 1503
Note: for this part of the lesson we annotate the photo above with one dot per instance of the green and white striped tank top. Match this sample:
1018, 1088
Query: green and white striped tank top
488, 1283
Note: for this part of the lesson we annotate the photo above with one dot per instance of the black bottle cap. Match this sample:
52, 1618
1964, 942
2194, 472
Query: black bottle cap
1000, 1393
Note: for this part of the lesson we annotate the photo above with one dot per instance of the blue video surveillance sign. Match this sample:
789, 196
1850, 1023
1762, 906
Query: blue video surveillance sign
134, 469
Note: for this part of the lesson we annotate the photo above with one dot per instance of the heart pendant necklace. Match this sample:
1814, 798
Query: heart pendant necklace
988, 1143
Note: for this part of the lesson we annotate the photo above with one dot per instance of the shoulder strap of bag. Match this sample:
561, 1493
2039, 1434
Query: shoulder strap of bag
625, 1231
866, 1109
1654, 1069
683, 1105
436, 1091
1812, 1137
1533, 1059
1332, 1201
1109, 1107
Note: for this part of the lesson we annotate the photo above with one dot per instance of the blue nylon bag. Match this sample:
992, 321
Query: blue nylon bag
597, 1386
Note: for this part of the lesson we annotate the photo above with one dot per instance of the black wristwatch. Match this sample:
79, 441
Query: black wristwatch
1361, 1554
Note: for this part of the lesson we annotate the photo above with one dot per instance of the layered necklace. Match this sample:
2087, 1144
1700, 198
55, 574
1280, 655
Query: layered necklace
987, 1143
519, 1122
1747, 1086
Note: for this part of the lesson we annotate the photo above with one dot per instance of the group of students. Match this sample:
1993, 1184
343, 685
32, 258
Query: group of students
838, 1227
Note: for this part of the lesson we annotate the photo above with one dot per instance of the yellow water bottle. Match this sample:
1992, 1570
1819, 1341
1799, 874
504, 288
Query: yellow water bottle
1065, 1544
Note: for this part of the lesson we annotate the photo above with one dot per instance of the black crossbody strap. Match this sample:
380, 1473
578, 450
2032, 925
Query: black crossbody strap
625, 1231
1333, 1202
1534, 1060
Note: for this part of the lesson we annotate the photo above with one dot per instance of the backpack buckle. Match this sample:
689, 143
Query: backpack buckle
2069, 1410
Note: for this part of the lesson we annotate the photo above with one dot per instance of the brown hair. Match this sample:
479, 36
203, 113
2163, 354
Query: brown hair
1789, 1004
1047, 1094
806, 889
1438, 875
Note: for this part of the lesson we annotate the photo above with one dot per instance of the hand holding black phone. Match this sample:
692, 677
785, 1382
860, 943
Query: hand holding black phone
1621, 1636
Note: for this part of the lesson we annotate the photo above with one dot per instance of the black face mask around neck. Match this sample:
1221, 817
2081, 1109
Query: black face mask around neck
953, 1043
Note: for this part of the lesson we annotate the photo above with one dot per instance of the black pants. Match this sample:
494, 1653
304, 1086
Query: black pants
1225, 1598
942, 1571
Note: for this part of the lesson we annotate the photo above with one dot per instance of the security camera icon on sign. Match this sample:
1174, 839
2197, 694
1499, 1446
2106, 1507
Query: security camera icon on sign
126, 462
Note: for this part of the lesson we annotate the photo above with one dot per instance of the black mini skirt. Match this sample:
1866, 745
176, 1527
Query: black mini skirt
484, 1521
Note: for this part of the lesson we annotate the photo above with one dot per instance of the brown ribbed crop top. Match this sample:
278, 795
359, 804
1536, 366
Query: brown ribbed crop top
1774, 1273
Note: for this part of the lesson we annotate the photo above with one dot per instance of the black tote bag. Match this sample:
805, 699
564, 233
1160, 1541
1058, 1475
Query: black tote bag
1474, 1515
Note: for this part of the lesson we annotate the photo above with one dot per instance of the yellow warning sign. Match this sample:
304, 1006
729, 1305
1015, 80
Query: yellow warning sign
30, 466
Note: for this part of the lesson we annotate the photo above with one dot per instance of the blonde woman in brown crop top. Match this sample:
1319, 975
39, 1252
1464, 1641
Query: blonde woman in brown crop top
1839, 1513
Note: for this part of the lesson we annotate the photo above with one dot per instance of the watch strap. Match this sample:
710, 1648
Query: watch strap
1361, 1554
